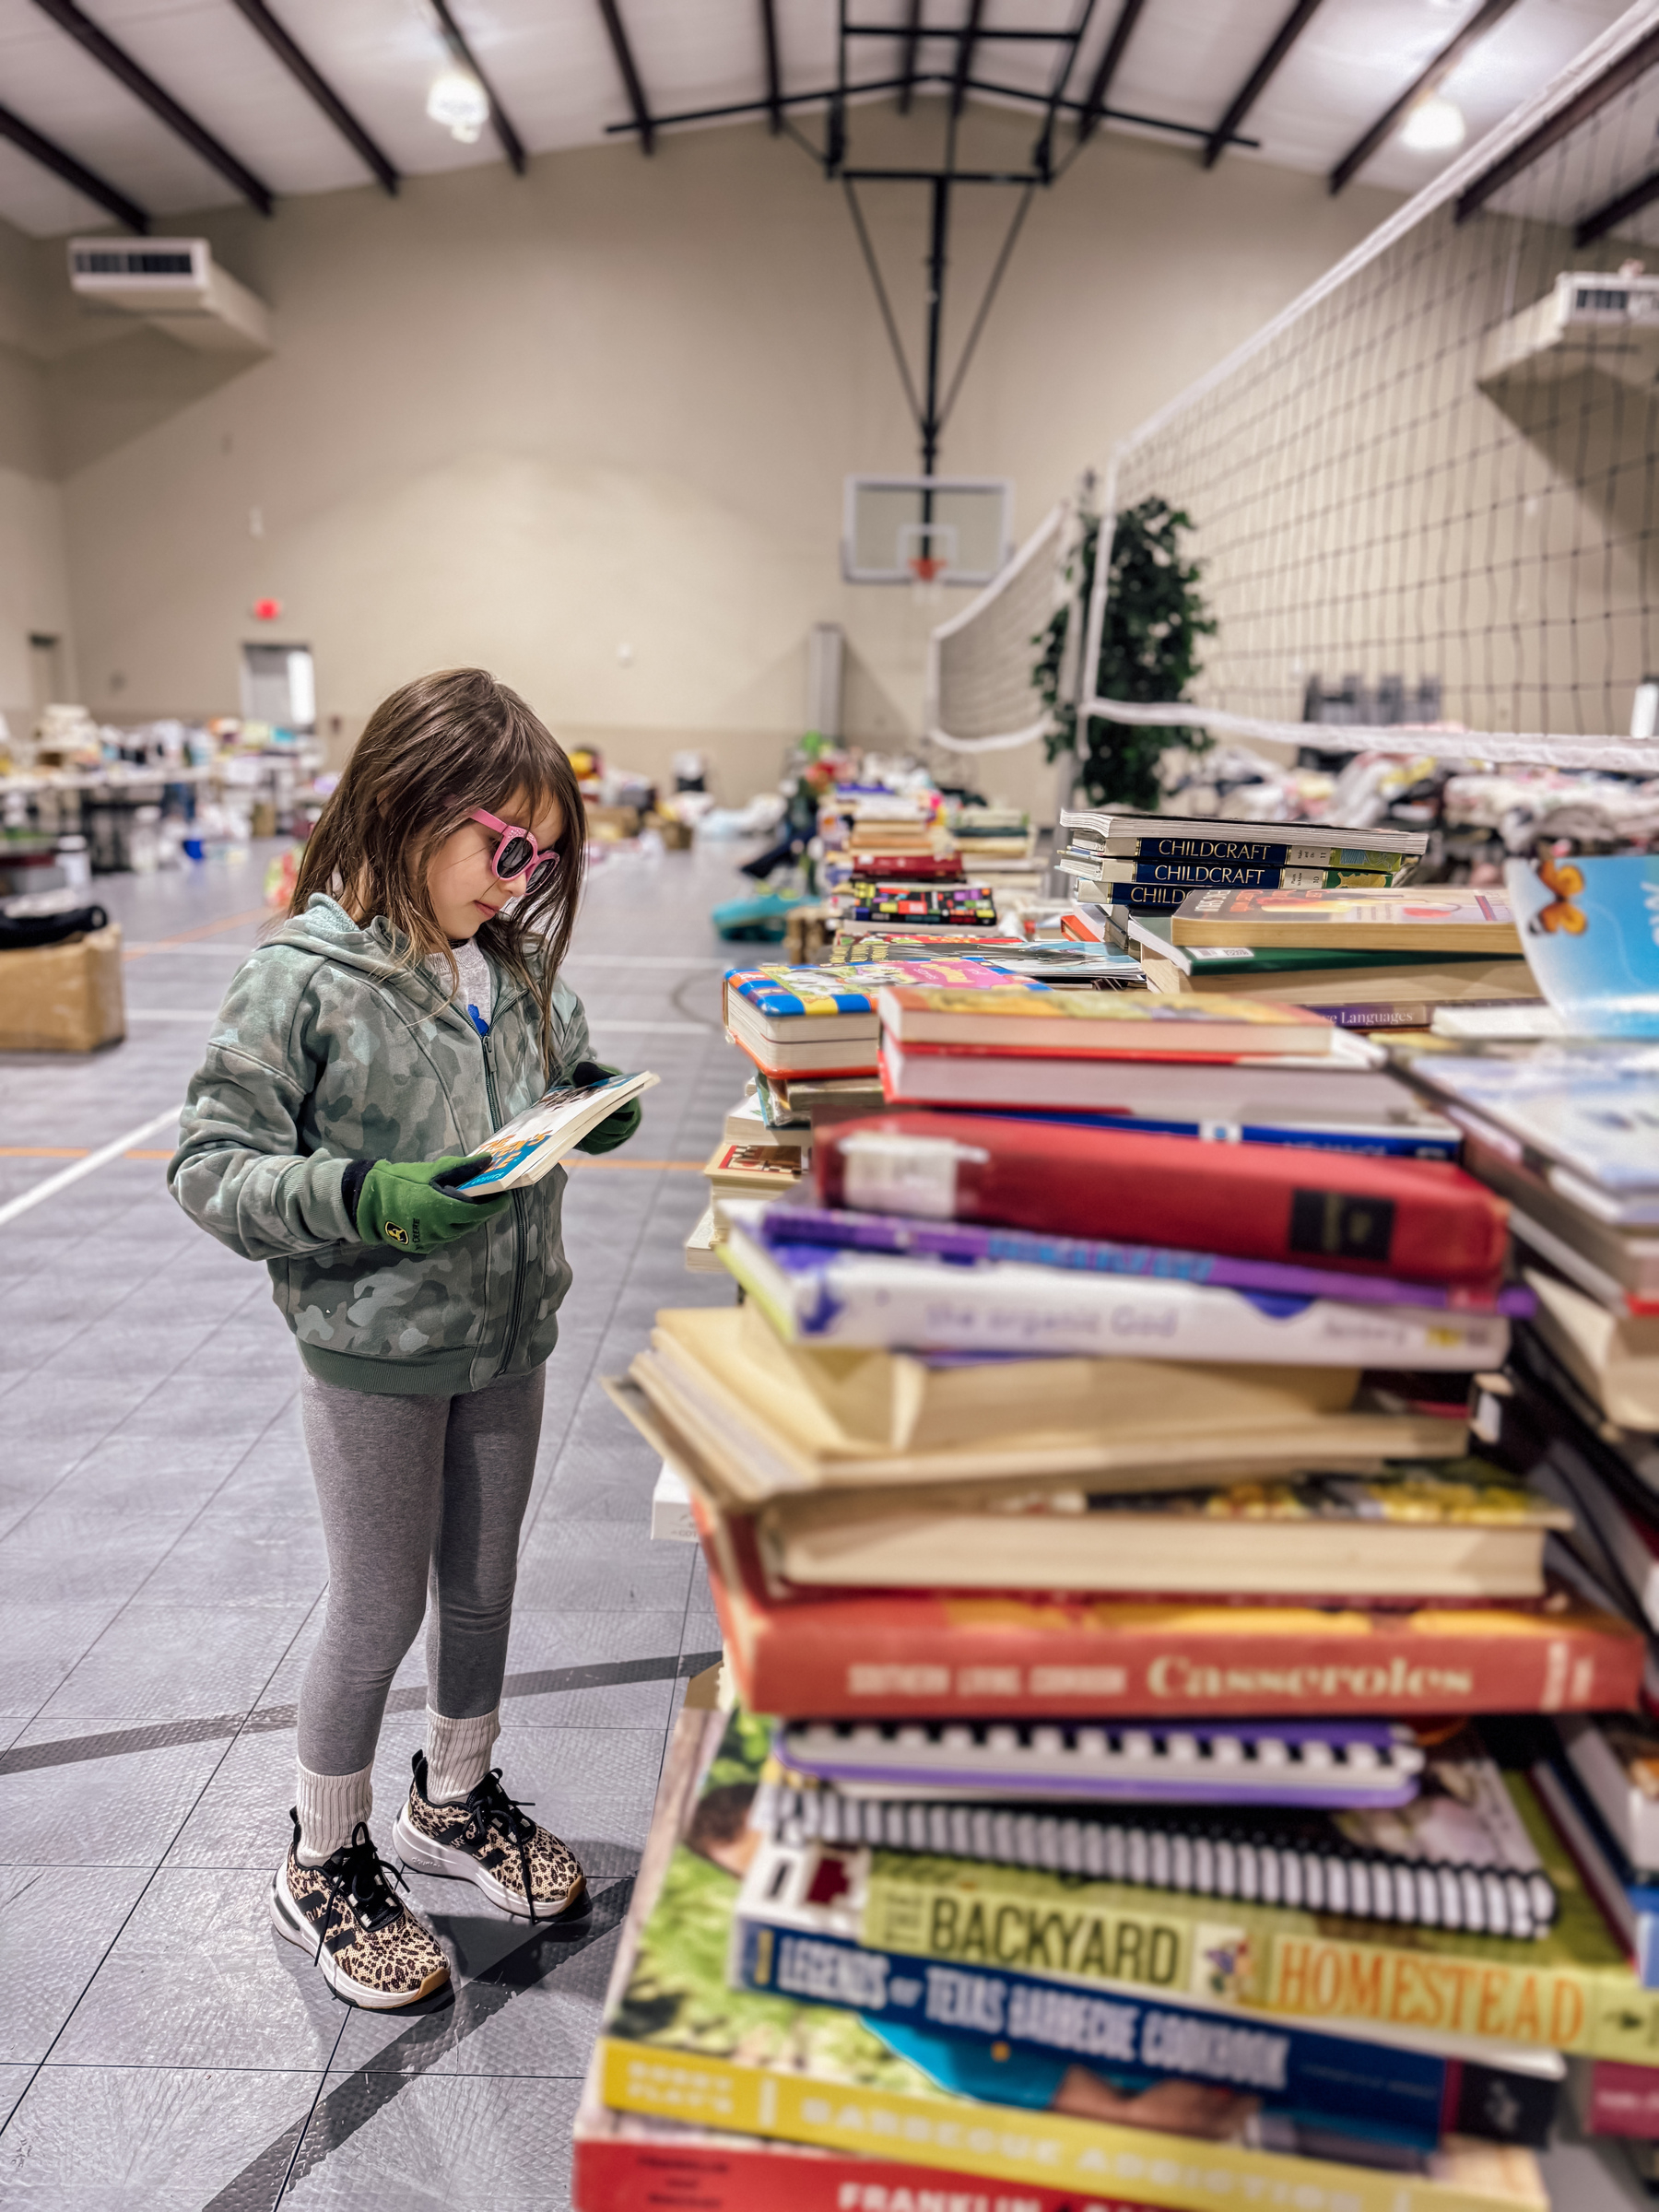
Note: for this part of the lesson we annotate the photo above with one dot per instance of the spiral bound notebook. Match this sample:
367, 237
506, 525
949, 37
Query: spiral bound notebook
1330, 1765
1456, 1857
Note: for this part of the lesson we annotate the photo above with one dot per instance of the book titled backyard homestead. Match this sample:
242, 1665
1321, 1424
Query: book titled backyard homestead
534, 1142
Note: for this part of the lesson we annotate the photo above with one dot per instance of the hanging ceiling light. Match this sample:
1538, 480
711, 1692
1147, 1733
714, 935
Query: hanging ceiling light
459, 103
1434, 126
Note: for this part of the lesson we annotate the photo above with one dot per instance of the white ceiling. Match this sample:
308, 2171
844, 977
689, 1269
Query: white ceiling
552, 65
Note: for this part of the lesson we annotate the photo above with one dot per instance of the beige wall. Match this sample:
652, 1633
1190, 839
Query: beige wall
34, 584
529, 421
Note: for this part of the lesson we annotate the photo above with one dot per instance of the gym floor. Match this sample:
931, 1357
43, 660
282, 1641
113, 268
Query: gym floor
162, 1583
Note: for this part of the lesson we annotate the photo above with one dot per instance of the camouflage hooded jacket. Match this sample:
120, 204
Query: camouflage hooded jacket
328, 1050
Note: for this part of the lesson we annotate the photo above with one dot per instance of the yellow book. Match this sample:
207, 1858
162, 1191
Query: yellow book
1002, 2143
1571, 1990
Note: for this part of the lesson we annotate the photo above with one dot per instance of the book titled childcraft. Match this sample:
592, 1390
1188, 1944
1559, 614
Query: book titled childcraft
534, 1142
1270, 844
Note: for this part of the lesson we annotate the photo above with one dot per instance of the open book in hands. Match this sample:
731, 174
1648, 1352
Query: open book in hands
534, 1142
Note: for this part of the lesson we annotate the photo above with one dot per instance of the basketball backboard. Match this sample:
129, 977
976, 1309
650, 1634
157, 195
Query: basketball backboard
926, 529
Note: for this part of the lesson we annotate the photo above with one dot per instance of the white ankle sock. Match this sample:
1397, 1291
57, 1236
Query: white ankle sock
330, 1805
458, 1753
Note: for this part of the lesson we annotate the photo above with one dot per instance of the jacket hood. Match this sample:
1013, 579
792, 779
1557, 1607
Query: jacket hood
327, 932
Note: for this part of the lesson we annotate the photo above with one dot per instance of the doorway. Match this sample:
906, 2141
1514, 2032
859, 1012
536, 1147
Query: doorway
279, 686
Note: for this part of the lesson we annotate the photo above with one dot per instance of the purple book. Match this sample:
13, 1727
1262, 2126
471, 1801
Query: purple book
1331, 1765
967, 1242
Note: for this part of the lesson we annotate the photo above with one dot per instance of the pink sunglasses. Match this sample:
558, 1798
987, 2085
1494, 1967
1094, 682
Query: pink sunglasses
518, 852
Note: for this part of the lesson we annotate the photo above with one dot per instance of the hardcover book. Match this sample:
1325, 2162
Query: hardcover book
1048, 1023
1572, 1989
872, 1300
915, 1653
1434, 918
967, 1242
1139, 832
1343, 1084
822, 1020
1413, 1219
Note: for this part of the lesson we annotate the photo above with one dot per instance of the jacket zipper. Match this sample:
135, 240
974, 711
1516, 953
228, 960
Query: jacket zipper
519, 1223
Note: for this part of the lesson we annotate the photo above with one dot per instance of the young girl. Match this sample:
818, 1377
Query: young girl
410, 1005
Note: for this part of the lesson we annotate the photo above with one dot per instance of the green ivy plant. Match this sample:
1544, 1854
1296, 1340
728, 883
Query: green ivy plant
1155, 616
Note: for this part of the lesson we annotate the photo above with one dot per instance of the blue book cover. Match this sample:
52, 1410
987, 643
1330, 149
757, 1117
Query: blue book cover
1590, 929
1404, 1141
1629, 1903
1593, 1106
980, 2024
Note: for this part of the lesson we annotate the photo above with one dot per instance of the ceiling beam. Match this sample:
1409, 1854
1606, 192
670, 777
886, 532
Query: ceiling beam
1615, 211
969, 32
29, 141
1288, 31
774, 76
1588, 101
300, 64
1094, 101
462, 54
1042, 153
907, 61
830, 94
1428, 79
143, 86
631, 76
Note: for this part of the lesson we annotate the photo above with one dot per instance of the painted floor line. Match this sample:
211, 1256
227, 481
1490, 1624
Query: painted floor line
203, 929
52, 1184
651, 1029
638, 960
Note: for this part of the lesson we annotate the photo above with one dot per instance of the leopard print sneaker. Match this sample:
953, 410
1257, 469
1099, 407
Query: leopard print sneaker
371, 1947
486, 1839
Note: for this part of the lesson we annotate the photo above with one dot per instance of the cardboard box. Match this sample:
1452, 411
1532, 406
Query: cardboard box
63, 998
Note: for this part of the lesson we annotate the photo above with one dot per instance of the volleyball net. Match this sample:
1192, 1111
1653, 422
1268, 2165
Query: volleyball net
1424, 500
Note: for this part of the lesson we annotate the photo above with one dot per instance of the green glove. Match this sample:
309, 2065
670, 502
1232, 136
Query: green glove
617, 1128
407, 1203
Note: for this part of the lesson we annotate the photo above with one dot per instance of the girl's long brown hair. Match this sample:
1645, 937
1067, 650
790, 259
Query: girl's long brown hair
429, 755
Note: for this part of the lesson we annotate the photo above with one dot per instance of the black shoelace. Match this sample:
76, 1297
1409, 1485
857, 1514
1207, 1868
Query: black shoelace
355, 1877
489, 1806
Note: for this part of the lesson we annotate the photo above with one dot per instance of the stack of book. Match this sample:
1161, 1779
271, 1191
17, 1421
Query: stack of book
1382, 959
900, 909
1257, 1070
1094, 1583
889, 824
991, 835
1215, 915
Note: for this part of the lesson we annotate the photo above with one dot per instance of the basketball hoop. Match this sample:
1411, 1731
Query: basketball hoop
925, 567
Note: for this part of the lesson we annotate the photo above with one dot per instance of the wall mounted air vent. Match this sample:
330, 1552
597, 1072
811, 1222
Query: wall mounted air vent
1585, 321
174, 284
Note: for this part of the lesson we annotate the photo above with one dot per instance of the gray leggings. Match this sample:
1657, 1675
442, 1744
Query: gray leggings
412, 1489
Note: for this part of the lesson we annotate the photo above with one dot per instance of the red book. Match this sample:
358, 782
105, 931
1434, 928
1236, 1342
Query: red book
909, 867
930, 1654
1617, 2100
1423, 1220
618, 2173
